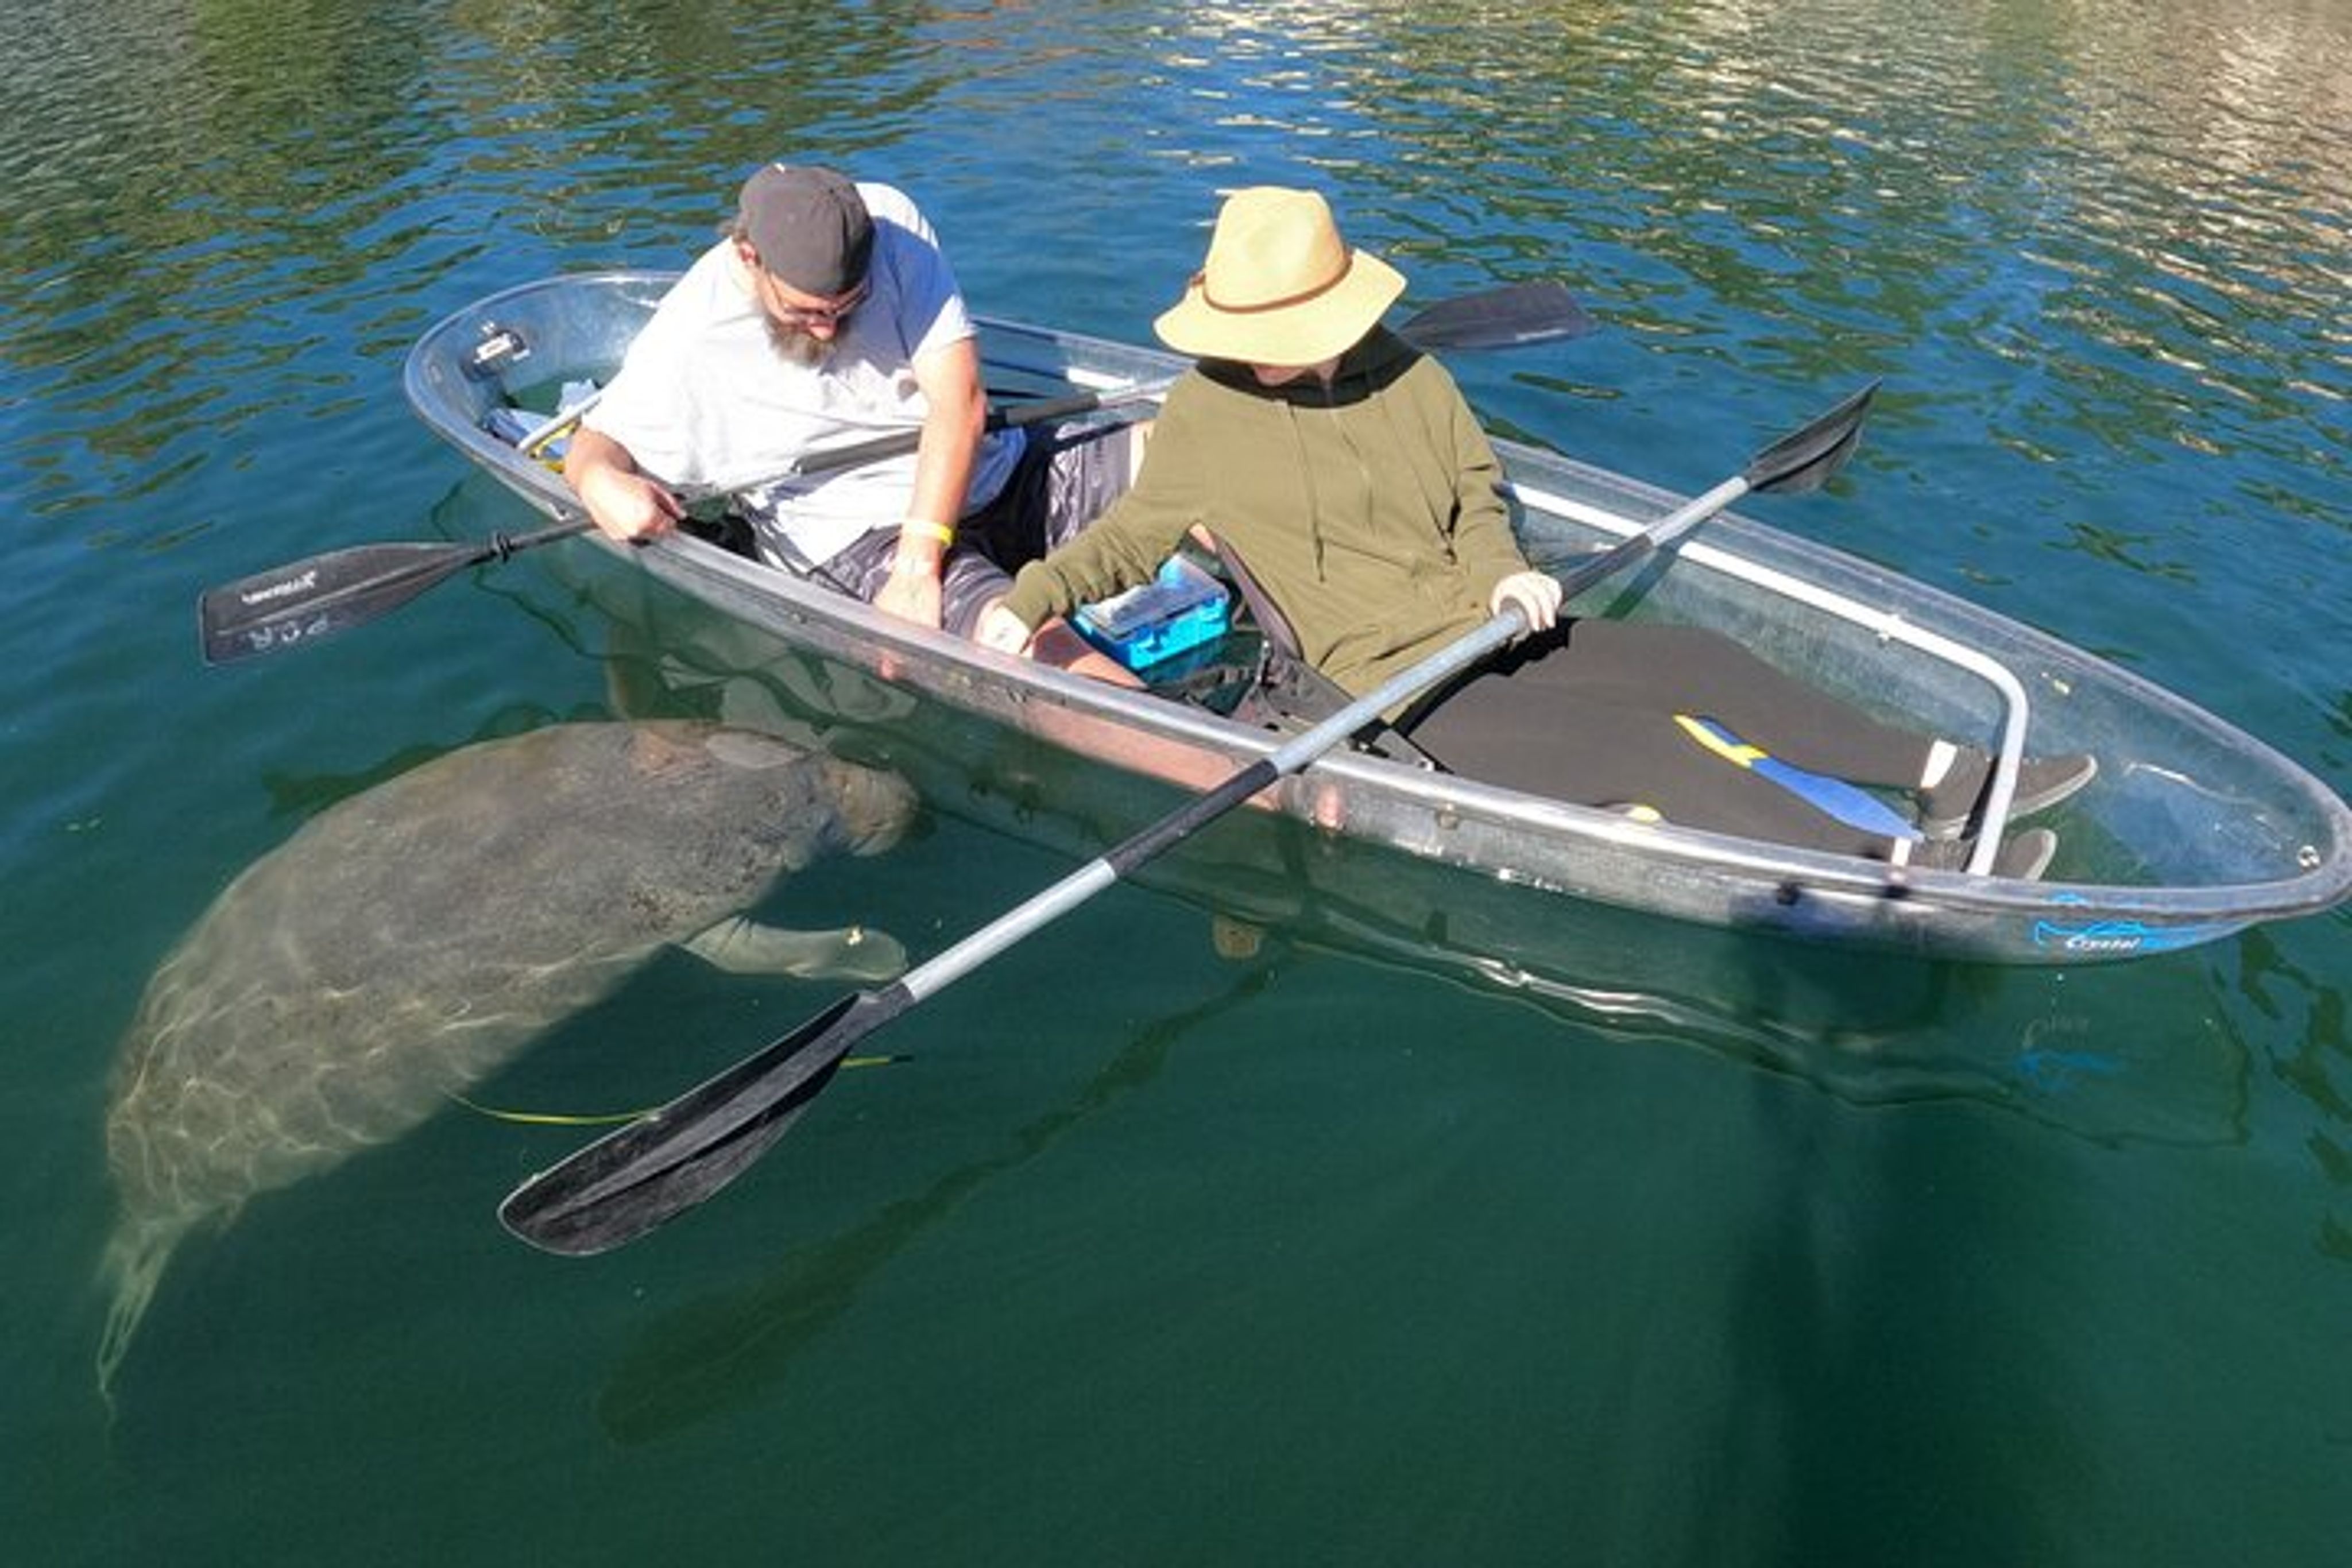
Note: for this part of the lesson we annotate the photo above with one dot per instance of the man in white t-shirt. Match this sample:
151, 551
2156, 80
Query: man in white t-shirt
828, 315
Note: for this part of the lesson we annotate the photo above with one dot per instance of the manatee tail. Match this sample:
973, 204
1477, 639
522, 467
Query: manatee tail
135, 1255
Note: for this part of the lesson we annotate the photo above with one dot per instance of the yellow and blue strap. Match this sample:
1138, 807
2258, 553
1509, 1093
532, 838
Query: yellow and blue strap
1849, 803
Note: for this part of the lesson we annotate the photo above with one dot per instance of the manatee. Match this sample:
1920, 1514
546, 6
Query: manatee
410, 939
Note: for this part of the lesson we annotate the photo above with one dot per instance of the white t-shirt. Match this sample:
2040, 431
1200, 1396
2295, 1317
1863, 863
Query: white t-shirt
704, 398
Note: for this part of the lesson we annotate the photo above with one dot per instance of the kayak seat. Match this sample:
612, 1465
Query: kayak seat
1285, 692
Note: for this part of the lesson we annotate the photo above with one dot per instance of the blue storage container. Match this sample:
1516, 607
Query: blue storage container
1181, 608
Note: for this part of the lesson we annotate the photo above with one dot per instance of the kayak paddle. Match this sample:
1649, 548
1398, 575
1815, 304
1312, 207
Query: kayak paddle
613, 1190
1510, 317
333, 592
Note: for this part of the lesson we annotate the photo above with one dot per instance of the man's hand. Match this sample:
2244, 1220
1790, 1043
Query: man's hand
913, 592
630, 507
1536, 593
623, 503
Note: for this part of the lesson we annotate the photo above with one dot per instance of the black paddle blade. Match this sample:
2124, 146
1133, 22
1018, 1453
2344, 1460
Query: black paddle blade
321, 596
1804, 460
333, 592
1502, 317
661, 1164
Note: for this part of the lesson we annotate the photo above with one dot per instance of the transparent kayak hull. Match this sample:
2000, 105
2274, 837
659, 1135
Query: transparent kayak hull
2192, 830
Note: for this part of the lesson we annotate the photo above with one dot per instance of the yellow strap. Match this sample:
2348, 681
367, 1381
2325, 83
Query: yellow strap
1743, 753
547, 1118
929, 530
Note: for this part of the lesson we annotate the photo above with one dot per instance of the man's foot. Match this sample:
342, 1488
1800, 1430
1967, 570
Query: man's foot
1949, 809
2024, 856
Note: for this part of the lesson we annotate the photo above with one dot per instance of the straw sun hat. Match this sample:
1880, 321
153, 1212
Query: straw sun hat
1280, 286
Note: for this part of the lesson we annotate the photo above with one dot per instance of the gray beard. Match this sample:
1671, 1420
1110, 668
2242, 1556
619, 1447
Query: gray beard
798, 345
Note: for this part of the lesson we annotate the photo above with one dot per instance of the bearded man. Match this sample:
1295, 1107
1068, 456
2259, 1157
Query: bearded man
828, 315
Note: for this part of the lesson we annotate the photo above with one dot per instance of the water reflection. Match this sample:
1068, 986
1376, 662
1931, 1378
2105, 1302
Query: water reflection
2036, 217
2101, 248
2304, 1014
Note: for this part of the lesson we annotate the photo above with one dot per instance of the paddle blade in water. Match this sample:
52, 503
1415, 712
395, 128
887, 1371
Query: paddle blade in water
1499, 319
632, 1180
319, 596
333, 592
554, 1215
1805, 460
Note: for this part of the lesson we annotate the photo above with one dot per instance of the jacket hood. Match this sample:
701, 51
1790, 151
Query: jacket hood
1378, 358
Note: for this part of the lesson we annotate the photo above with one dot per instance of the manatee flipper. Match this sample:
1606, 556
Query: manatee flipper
743, 946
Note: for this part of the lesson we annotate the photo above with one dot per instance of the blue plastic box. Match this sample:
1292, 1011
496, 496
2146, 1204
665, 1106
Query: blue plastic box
1181, 608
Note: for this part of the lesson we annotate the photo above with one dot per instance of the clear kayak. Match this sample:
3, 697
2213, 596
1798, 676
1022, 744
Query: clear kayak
2191, 831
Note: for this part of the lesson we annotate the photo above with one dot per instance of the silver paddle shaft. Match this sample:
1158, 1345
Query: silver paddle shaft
927, 979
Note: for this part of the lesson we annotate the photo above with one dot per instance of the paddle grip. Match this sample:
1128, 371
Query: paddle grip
857, 453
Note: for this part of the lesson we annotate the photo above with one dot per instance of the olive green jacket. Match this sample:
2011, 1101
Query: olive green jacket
1368, 509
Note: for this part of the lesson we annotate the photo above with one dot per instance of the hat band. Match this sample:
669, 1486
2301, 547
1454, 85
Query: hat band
1347, 265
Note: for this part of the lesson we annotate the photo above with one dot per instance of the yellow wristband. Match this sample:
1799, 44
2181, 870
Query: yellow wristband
923, 531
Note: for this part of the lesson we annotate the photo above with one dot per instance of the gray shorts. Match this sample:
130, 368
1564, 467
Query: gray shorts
1067, 475
969, 581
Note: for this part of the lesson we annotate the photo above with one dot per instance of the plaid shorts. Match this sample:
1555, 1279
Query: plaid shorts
1065, 476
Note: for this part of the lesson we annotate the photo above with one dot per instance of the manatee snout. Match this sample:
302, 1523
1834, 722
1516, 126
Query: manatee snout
876, 807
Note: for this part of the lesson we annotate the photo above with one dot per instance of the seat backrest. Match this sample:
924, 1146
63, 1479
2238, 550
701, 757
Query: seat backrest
1272, 624
1288, 689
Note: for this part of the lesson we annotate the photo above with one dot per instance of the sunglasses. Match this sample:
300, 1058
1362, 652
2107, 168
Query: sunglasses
830, 314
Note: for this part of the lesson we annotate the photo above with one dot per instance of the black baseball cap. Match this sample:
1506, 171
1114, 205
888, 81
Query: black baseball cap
809, 227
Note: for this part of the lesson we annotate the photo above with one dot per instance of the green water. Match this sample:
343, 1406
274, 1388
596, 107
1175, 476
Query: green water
1713, 1252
